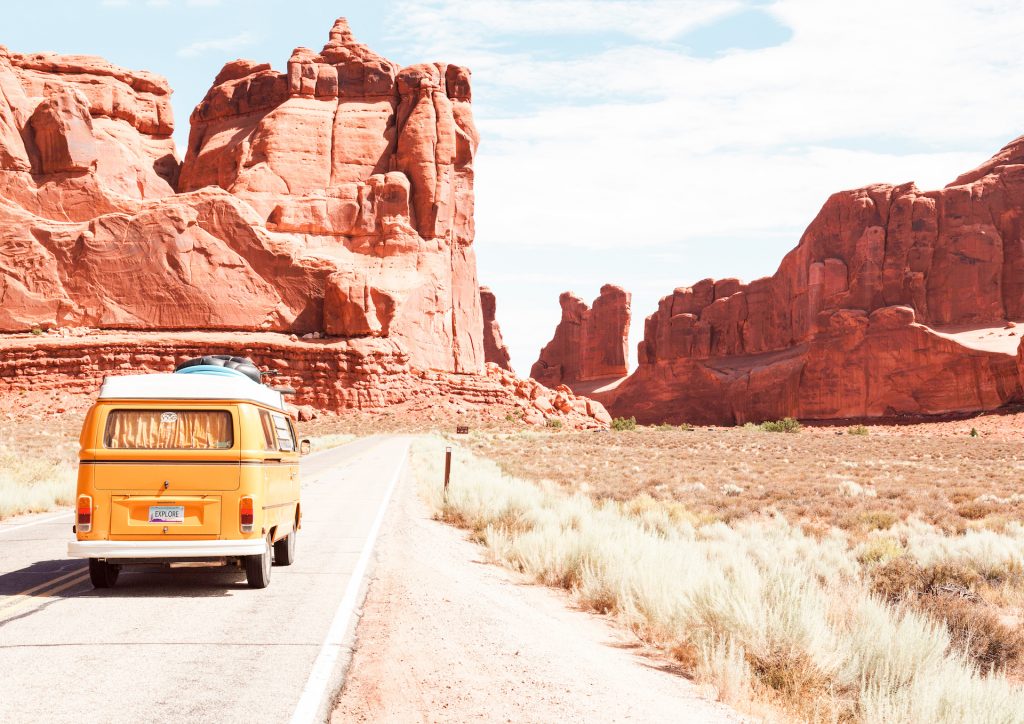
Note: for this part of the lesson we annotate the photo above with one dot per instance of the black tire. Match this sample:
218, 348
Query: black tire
257, 568
284, 550
241, 364
103, 574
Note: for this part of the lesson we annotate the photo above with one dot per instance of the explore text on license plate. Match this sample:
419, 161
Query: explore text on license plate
167, 514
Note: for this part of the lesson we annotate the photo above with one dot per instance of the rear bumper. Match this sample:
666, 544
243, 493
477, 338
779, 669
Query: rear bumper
179, 549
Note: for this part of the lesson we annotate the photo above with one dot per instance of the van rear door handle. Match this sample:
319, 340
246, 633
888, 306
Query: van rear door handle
273, 460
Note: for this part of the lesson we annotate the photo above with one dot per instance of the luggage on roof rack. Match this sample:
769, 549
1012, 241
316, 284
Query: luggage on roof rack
239, 364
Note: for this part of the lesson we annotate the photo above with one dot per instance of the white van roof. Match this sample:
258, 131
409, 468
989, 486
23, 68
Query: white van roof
188, 387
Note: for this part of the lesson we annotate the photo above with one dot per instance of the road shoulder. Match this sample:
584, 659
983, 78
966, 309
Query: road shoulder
446, 636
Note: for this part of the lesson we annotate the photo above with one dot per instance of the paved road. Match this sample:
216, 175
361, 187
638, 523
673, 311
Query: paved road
193, 645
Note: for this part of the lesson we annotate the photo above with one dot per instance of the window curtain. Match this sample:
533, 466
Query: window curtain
169, 430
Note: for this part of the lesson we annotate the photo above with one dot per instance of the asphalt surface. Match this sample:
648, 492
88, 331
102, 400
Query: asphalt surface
194, 644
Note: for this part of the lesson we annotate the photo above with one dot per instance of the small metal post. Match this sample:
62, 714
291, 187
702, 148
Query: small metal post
447, 470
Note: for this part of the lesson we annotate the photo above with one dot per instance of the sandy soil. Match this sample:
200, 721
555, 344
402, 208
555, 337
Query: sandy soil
1002, 338
447, 637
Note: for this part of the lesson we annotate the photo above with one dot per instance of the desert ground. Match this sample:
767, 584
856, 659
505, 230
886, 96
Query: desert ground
756, 566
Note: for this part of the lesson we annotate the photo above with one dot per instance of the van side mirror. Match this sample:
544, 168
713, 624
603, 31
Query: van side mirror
304, 447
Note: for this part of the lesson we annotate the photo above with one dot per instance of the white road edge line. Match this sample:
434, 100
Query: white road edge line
50, 519
308, 708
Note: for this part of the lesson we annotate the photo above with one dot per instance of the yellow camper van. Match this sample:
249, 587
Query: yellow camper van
201, 465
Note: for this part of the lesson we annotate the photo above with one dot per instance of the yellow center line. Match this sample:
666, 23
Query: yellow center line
44, 584
22, 601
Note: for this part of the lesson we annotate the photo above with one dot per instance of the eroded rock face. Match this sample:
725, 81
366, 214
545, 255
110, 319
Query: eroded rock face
590, 343
336, 197
495, 350
326, 374
846, 326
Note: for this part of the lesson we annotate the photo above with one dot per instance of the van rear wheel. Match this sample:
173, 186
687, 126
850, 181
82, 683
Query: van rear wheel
284, 550
103, 574
257, 568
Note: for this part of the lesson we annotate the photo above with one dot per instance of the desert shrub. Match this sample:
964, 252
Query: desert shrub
851, 489
553, 423
902, 577
620, 424
976, 509
664, 427
753, 607
686, 427
880, 549
976, 631
897, 578
787, 424
857, 430
514, 415
878, 519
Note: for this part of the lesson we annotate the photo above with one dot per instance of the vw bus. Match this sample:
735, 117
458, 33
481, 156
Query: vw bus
198, 466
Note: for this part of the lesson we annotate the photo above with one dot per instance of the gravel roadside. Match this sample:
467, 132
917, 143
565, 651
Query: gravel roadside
447, 637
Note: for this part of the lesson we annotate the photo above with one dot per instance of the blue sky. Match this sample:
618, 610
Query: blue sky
646, 143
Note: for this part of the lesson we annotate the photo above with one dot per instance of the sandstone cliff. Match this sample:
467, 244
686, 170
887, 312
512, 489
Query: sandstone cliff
860, 320
333, 200
590, 343
336, 197
494, 346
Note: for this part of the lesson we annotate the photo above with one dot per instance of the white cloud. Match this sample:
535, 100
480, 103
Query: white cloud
441, 22
233, 42
160, 3
601, 131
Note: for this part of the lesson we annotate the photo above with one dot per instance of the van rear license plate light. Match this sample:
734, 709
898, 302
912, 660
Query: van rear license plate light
84, 522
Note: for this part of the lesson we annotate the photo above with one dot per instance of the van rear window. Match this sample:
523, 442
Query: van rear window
169, 430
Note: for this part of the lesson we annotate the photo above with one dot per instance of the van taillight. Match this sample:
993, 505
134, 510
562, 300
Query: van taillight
246, 516
84, 514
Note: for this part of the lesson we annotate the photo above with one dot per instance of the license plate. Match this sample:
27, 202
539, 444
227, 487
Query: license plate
167, 514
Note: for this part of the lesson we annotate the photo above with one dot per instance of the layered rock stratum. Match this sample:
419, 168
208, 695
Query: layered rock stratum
891, 304
331, 201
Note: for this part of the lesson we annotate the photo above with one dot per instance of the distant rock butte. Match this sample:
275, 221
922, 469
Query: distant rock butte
846, 327
494, 346
335, 198
589, 343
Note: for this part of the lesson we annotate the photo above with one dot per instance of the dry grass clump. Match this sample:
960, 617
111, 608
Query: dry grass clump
38, 462
759, 609
32, 484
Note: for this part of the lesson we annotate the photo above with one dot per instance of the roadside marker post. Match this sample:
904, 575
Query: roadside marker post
447, 470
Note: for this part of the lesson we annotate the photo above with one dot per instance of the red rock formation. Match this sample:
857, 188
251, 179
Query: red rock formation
326, 374
494, 346
335, 197
589, 343
844, 328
